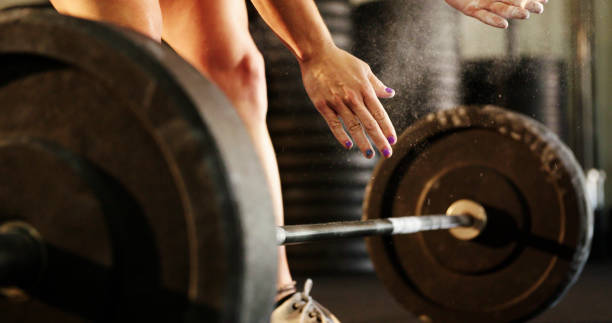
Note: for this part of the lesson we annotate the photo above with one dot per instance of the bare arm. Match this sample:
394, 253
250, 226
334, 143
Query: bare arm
340, 85
298, 23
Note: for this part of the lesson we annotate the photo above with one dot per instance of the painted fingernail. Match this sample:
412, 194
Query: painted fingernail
369, 153
391, 140
348, 144
389, 90
386, 152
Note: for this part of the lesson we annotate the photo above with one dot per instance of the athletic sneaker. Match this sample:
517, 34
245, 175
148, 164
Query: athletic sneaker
301, 308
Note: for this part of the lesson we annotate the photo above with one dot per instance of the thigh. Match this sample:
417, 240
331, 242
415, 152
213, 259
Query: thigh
143, 16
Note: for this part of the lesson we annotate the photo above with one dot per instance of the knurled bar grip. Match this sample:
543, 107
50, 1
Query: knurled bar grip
290, 234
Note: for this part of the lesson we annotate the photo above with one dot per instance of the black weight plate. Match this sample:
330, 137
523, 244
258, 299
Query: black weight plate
137, 173
8, 4
539, 225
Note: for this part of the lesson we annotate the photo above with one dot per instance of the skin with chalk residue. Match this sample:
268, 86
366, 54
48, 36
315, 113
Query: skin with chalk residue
496, 12
343, 88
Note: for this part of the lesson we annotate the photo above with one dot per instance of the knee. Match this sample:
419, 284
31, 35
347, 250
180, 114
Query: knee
250, 69
242, 78
245, 67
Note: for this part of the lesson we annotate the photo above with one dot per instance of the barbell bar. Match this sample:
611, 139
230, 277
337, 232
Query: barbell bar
300, 233
465, 219
23, 254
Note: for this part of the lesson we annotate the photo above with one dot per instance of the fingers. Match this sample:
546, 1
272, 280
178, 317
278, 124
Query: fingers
377, 110
334, 124
370, 125
490, 18
509, 12
381, 90
353, 98
354, 127
379, 114
534, 6
359, 112
495, 13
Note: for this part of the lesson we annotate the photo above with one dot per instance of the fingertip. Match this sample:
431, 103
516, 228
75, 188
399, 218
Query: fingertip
369, 153
539, 8
524, 16
390, 92
384, 92
348, 144
391, 139
535, 7
387, 152
503, 24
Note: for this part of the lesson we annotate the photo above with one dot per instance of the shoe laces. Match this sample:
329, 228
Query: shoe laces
307, 306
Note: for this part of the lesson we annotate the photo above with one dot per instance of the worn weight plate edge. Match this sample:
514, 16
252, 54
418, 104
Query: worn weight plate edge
559, 149
248, 197
451, 119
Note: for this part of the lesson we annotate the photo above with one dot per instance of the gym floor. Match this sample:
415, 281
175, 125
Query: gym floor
362, 298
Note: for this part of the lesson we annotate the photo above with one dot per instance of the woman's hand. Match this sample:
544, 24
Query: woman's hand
342, 86
496, 12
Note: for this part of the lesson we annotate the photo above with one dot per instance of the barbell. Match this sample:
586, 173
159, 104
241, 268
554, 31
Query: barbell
465, 219
128, 192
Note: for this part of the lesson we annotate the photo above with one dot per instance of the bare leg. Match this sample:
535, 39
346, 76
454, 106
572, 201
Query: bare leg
213, 35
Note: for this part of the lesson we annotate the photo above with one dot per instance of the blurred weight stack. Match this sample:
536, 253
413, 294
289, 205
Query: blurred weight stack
321, 181
535, 86
412, 45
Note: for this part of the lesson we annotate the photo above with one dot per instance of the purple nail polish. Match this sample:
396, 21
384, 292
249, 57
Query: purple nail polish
389, 90
369, 153
386, 152
348, 144
391, 140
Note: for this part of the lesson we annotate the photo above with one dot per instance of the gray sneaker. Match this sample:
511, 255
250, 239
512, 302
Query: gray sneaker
301, 308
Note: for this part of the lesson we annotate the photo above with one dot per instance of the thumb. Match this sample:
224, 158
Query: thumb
382, 91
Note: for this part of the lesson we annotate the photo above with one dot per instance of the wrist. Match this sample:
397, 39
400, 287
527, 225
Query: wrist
316, 51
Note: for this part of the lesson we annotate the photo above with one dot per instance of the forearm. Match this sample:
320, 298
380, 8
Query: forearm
298, 23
